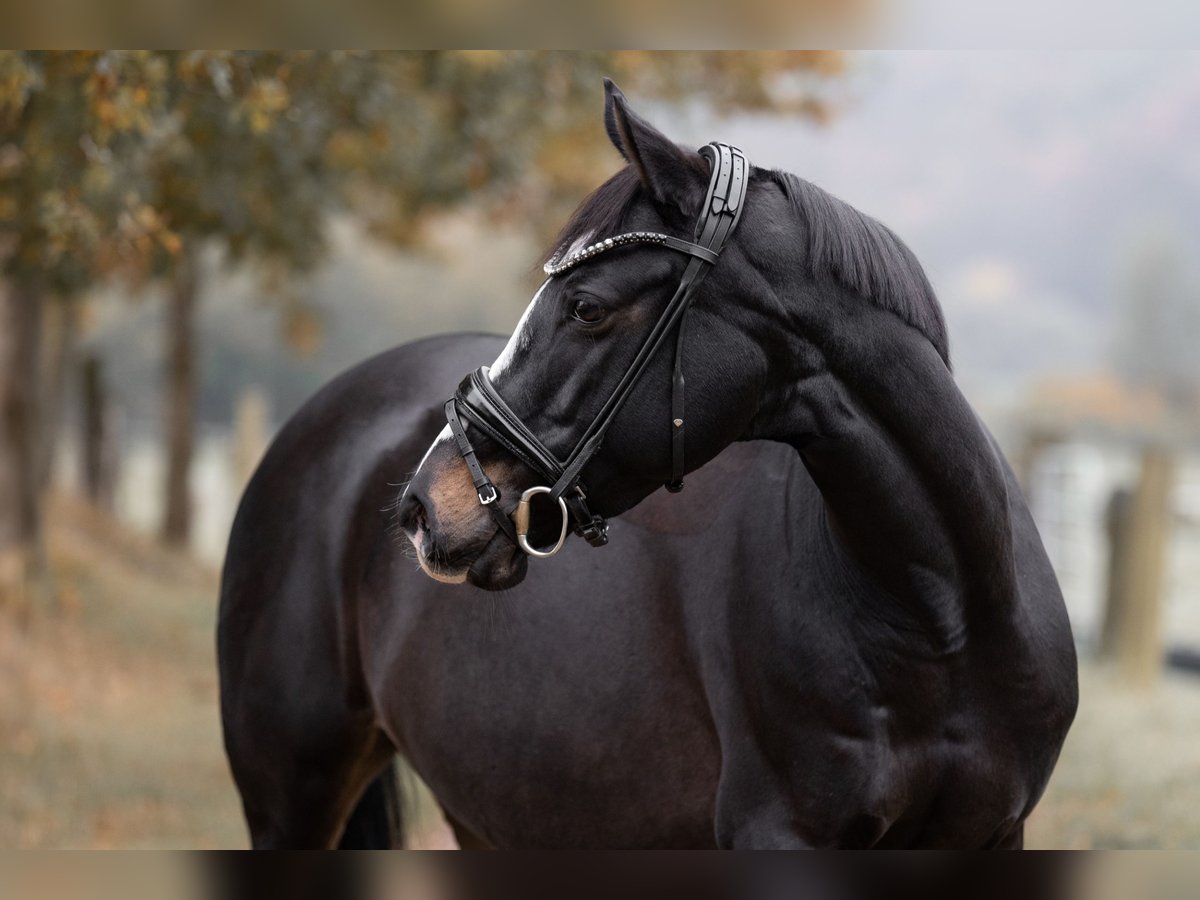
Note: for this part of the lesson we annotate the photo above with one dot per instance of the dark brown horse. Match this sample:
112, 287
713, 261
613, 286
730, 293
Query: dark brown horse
844, 632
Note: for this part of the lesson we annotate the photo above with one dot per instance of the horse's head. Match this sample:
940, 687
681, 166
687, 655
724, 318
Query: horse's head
579, 336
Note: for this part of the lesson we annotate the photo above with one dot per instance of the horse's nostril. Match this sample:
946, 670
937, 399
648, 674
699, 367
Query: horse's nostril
412, 515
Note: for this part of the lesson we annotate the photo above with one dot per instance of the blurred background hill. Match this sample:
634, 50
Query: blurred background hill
192, 243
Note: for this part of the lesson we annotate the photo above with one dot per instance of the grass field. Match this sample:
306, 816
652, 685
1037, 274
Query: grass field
1129, 775
109, 731
108, 700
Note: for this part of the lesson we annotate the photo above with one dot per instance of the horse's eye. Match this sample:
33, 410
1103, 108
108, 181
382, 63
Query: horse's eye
587, 311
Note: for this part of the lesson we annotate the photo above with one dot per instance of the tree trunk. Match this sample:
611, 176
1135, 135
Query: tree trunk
99, 458
180, 395
251, 433
1140, 528
1117, 520
63, 334
22, 557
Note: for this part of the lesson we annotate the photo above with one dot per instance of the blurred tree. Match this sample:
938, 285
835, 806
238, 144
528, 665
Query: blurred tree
242, 164
1159, 321
69, 215
520, 133
133, 163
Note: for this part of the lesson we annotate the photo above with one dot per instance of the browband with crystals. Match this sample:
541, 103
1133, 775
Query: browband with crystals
557, 266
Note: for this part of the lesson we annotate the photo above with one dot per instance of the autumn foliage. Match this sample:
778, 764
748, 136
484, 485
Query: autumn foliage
121, 166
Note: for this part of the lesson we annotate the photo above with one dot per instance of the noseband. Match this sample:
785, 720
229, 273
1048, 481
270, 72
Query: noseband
477, 400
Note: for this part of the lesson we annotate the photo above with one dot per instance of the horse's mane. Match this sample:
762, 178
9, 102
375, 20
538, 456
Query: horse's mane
865, 256
853, 249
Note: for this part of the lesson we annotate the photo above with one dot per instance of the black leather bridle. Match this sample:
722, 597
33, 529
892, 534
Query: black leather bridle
477, 400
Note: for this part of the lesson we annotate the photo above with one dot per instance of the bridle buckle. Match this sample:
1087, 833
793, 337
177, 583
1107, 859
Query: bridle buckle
595, 532
590, 526
488, 494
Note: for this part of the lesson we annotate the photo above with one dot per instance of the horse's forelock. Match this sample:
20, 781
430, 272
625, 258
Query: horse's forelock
601, 214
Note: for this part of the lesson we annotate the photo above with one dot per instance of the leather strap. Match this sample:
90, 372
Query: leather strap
479, 401
726, 191
695, 250
488, 495
483, 485
675, 485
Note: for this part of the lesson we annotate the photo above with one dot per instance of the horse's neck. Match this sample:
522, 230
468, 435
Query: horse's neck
914, 487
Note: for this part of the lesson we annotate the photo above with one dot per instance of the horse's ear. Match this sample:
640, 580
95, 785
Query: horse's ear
669, 172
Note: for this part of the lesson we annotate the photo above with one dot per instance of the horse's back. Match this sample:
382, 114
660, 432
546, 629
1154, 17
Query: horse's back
350, 444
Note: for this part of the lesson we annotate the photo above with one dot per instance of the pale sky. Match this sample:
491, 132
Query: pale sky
1049, 24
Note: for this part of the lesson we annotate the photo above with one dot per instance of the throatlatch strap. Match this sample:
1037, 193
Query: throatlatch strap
675, 485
